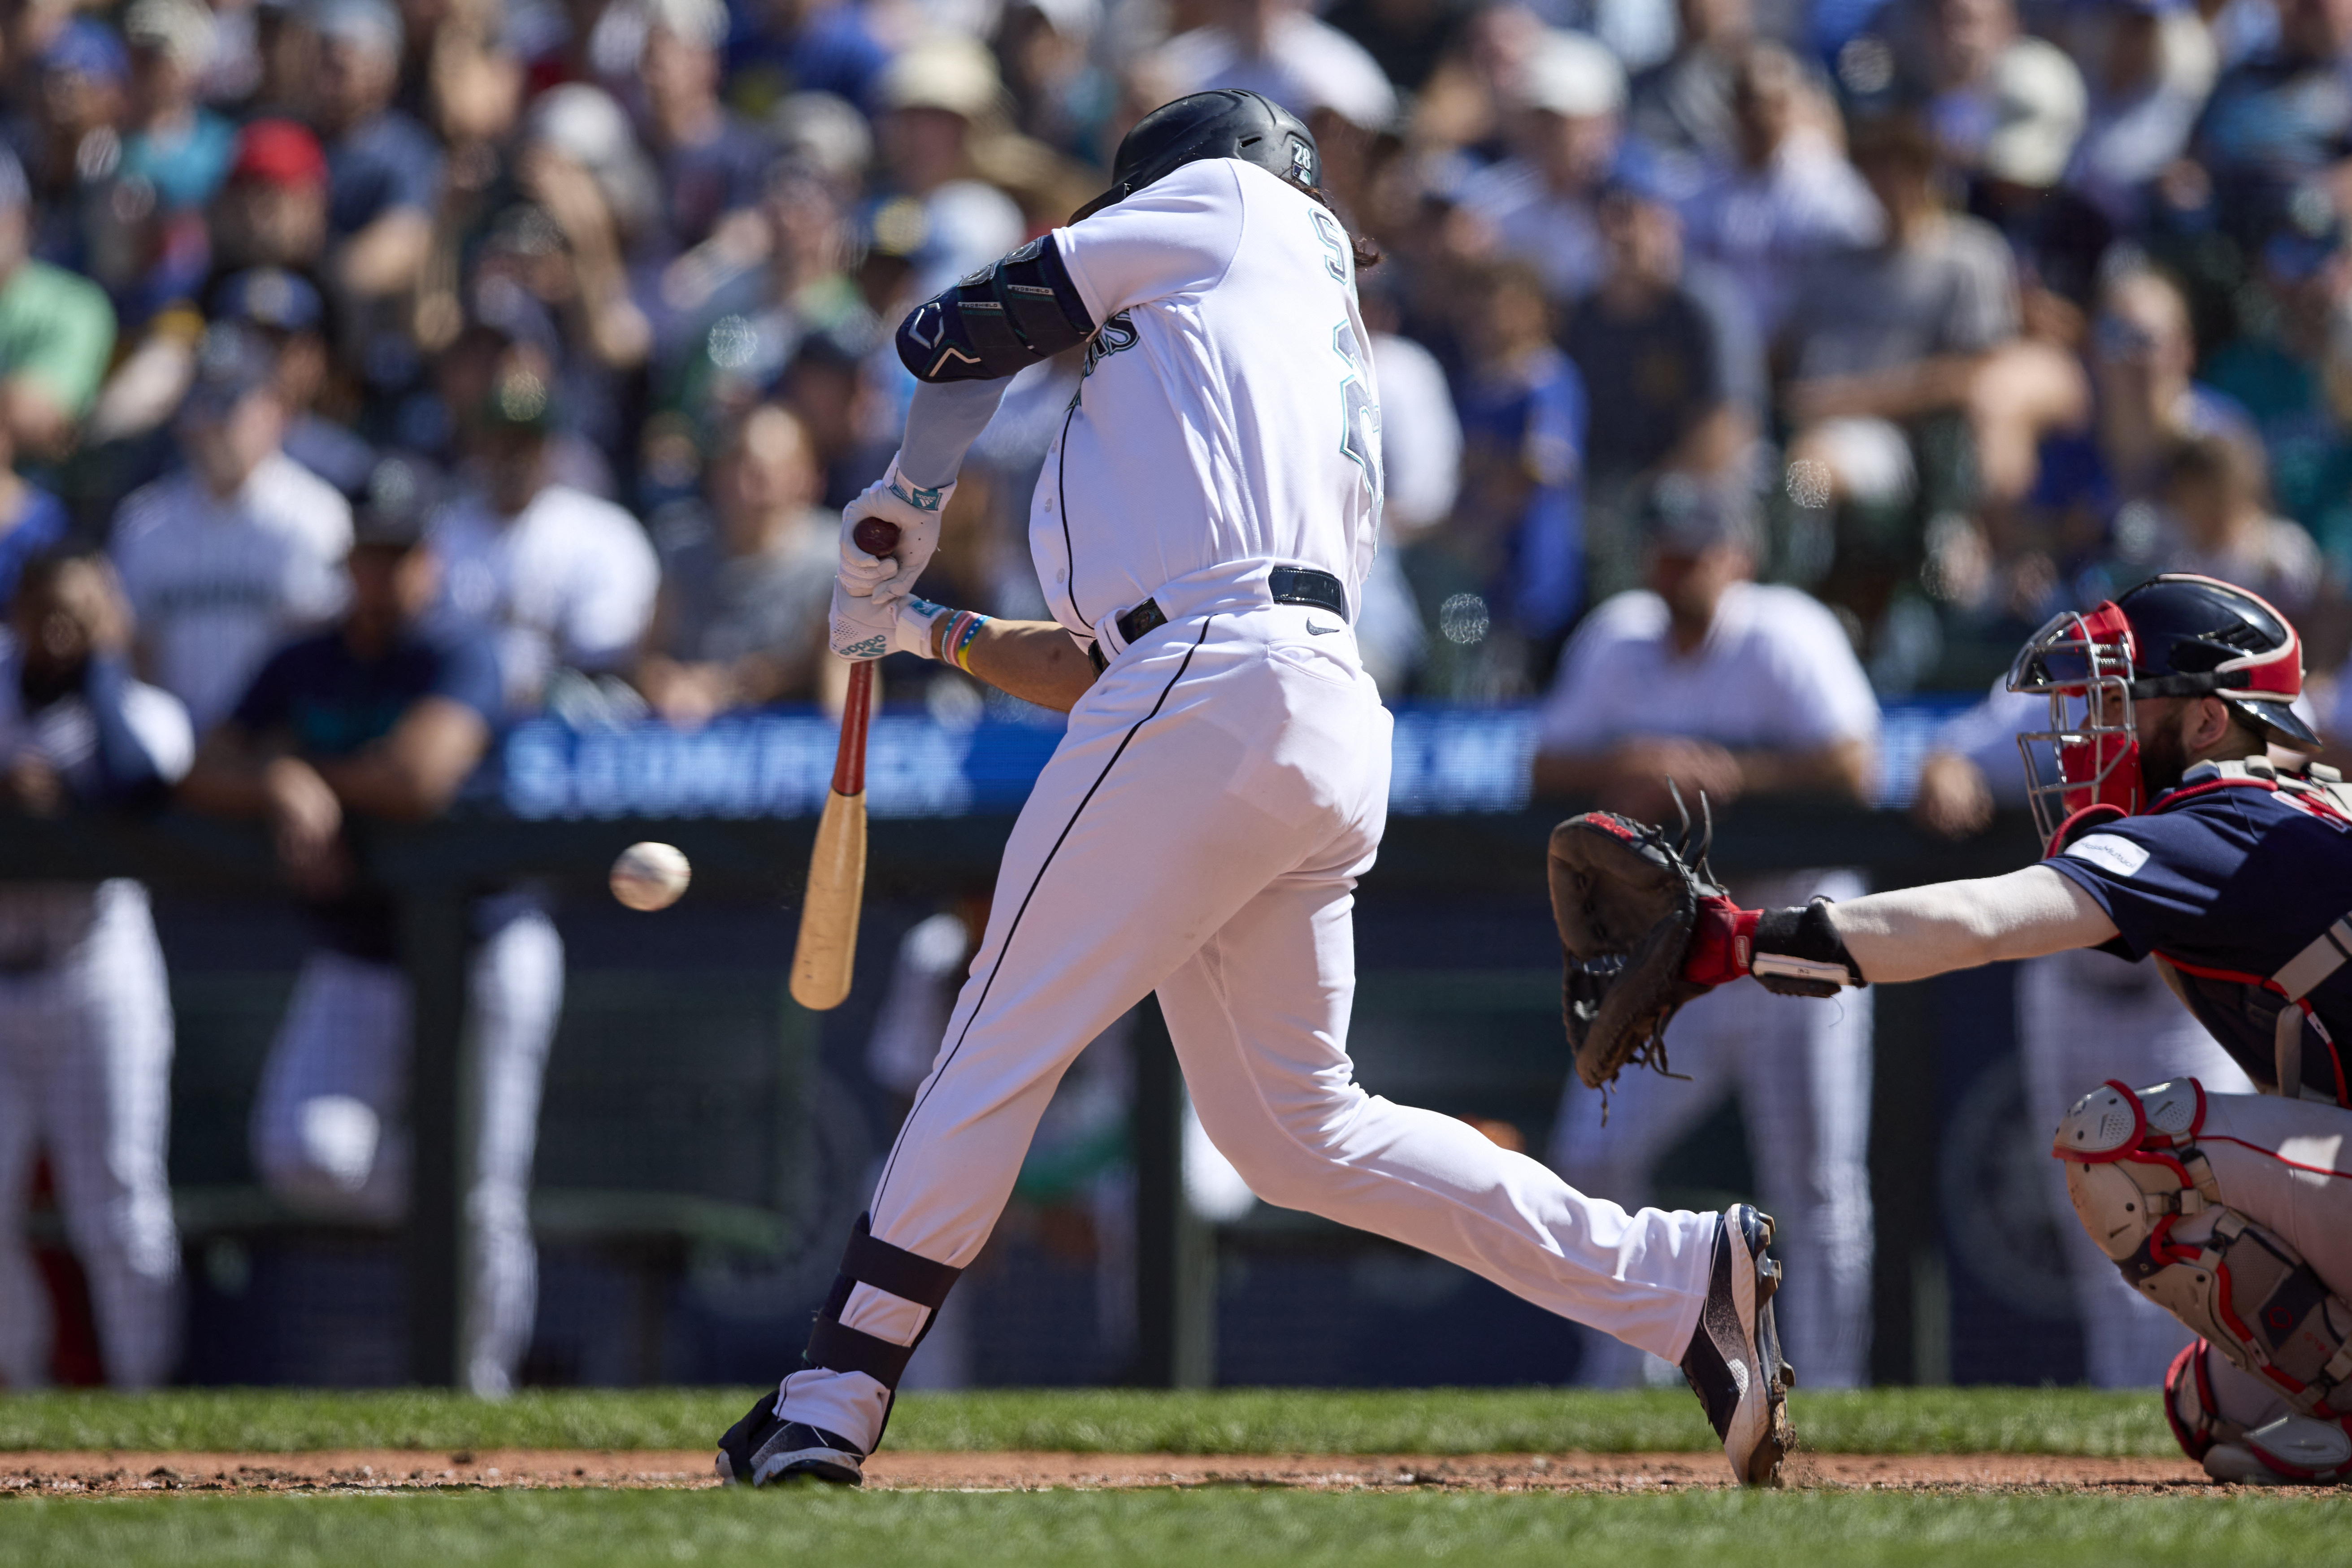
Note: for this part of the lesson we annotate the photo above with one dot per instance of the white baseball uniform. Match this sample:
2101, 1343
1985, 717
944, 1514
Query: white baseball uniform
1199, 829
2083, 1018
330, 1121
217, 585
86, 1055
568, 581
1775, 672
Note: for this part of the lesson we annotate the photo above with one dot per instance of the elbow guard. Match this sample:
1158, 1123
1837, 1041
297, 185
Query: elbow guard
1799, 952
1000, 319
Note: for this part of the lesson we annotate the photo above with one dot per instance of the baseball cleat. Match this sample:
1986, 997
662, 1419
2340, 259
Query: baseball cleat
764, 1447
1734, 1362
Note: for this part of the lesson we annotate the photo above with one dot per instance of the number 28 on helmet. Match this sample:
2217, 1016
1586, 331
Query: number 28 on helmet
2173, 635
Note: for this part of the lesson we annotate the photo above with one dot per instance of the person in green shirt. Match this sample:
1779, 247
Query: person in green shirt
57, 331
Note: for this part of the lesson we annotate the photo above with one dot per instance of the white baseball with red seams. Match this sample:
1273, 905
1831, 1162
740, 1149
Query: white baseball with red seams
1199, 829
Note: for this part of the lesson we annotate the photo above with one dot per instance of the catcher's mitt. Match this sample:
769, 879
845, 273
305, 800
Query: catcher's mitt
1626, 901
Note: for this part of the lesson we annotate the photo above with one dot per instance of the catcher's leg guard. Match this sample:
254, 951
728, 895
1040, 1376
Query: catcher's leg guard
2242, 1431
2148, 1197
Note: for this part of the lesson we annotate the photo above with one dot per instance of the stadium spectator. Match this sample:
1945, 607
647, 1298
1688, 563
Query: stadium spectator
273, 210
1537, 205
952, 222
2218, 523
376, 718
225, 558
85, 1013
1732, 689
1684, 364
1681, 106
1786, 197
562, 581
2275, 123
1280, 49
710, 161
747, 578
1064, 98
1515, 542
384, 169
67, 136
1886, 335
283, 311
2150, 65
55, 332
172, 140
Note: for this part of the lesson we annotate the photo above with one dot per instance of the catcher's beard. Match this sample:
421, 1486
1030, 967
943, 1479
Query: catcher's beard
2164, 758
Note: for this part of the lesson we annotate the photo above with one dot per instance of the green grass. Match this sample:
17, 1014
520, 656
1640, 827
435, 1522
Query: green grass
1140, 1529
1236, 1421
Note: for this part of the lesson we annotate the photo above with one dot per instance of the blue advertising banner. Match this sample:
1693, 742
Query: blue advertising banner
1446, 759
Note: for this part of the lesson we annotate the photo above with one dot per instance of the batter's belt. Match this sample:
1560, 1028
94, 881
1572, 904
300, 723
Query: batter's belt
1285, 585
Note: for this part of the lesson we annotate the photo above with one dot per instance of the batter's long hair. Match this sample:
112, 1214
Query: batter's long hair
1365, 252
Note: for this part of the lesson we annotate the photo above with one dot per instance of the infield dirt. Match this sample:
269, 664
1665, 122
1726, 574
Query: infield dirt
368, 1470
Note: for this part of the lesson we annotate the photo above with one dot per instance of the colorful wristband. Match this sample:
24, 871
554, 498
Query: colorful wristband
957, 638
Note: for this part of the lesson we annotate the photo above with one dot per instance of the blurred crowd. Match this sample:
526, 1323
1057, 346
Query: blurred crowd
1982, 308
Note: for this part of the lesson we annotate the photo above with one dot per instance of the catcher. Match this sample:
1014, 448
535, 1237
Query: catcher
2169, 832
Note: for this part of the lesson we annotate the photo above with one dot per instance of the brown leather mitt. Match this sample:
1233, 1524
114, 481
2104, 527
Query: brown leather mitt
1626, 901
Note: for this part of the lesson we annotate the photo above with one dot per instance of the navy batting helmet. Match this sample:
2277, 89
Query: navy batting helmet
1225, 123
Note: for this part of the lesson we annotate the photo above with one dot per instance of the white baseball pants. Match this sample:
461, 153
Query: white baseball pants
85, 1073
1802, 1067
2083, 1018
1199, 832
328, 1125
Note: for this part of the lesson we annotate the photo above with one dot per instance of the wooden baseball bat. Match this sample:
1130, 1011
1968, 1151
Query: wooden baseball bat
826, 952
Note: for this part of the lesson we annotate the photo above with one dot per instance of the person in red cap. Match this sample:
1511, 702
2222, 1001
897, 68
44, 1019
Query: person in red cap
273, 211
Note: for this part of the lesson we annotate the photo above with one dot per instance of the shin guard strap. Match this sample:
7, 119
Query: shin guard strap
906, 1275
894, 1270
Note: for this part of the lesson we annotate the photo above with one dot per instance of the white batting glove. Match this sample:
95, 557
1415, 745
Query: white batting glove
864, 626
917, 514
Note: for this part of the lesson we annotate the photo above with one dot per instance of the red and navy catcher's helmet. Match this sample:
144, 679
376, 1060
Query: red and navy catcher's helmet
2173, 635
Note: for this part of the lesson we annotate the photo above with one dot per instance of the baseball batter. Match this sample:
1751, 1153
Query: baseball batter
1201, 530
2171, 834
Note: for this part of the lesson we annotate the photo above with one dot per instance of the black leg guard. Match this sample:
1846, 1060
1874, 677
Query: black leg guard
836, 1347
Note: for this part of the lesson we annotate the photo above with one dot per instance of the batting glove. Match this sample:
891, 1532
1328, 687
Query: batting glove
915, 512
864, 625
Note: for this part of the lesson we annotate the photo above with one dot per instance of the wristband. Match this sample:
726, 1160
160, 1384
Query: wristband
1722, 942
951, 631
1800, 954
956, 641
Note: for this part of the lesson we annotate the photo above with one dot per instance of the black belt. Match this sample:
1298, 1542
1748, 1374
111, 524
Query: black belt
1287, 584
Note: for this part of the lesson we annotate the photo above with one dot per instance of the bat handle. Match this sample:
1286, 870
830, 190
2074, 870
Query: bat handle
850, 760
875, 535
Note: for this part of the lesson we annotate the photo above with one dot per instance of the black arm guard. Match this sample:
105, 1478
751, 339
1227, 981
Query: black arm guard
1805, 934
1000, 319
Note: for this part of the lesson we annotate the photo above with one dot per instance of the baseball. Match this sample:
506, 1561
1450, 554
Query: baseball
650, 876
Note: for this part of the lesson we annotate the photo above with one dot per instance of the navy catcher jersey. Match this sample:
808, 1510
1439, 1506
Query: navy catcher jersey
2225, 882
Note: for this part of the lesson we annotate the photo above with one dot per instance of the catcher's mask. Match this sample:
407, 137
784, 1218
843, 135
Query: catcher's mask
2173, 635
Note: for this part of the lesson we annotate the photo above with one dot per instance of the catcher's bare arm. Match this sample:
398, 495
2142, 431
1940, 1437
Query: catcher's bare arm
1643, 929
1914, 933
